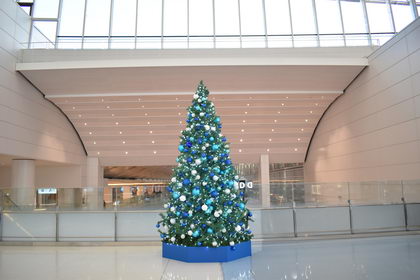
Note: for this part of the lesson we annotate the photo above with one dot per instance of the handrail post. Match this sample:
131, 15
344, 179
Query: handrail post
115, 226
405, 206
56, 226
294, 219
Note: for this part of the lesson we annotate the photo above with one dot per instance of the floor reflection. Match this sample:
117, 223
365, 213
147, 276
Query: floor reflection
362, 258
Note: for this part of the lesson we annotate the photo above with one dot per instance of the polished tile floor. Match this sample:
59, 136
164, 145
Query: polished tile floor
361, 258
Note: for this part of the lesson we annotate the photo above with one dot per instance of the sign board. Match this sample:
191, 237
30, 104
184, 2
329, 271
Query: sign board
47, 191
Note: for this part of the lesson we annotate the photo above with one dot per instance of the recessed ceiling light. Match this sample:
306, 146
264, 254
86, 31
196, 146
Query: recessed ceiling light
179, 114
107, 107
269, 139
272, 130
240, 150
241, 140
150, 132
90, 132
117, 123
243, 121
126, 153
246, 113
139, 99
142, 106
298, 139
287, 97
80, 116
99, 153
94, 142
120, 132
316, 104
268, 150
180, 122
275, 120
154, 152
85, 123
306, 120
74, 108
145, 114
278, 112
301, 129
153, 141
176, 98
112, 115
242, 130
177, 106
247, 104
310, 112
282, 104
123, 142
148, 122
102, 100
296, 149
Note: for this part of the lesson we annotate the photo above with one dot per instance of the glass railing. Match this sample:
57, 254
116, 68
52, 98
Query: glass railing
278, 195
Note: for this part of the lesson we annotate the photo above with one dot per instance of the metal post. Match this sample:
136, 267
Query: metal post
214, 24
265, 23
57, 28
350, 216
404, 205
316, 22
291, 24
111, 15
162, 22
135, 27
342, 22
115, 226
294, 219
366, 21
391, 14
413, 6
84, 24
56, 227
1, 225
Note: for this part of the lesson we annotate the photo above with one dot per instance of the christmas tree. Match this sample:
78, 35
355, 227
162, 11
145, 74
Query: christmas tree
206, 206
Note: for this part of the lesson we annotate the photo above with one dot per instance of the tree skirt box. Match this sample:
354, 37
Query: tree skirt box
206, 254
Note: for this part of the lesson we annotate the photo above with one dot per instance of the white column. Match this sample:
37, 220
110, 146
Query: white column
265, 180
94, 179
23, 182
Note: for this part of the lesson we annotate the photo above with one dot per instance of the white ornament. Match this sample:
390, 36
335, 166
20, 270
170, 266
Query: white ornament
190, 213
193, 172
204, 207
173, 239
201, 114
238, 228
215, 159
197, 177
183, 236
235, 185
198, 161
172, 221
206, 127
189, 232
193, 115
236, 177
182, 198
214, 243
233, 196
215, 178
213, 128
227, 191
165, 205
204, 183
203, 148
188, 129
173, 180
199, 100
173, 209
207, 144
231, 243
229, 211
195, 96
216, 214
223, 230
192, 226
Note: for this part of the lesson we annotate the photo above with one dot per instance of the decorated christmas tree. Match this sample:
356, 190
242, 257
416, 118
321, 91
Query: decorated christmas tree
206, 207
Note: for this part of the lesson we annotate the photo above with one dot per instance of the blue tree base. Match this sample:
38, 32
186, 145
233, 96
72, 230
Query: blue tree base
206, 254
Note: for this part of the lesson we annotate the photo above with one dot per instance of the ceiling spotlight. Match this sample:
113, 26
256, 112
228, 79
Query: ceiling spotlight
107, 107
142, 106
242, 130
74, 108
90, 132
145, 114
246, 113
240, 150
99, 153
272, 130
80, 116
296, 149
247, 104
301, 129
139, 99
117, 123
153, 141
268, 150
179, 114
298, 139
306, 120
241, 140
180, 122
176, 98
112, 115
150, 132
148, 122
287, 97
275, 120
316, 104
123, 142
269, 139
102, 100
154, 152
282, 104
126, 153
278, 112
120, 132
310, 112
243, 121
94, 142
85, 123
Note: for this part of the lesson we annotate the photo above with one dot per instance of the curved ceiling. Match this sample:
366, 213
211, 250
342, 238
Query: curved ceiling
131, 113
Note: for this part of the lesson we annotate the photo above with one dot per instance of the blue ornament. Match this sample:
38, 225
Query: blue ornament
215, 147
209, 201
249, 214
193, 152
230, 183
224, 139
175, 195
195, 192
228, 161
186, 182
219, 125
203, 225
241, 193
189, 159
217, 119
189, 144
233, 248
241, 205
230, 202
199, 243
214, 193
211, 138
169, 189
209, 230
206, 134
184, 214
162, 235
180, 148
157, 225
196, 233
211, 174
